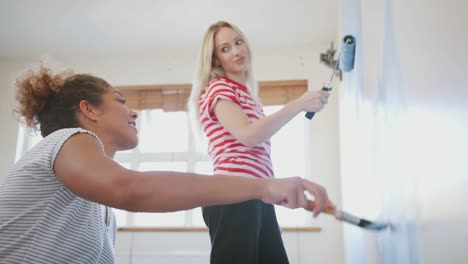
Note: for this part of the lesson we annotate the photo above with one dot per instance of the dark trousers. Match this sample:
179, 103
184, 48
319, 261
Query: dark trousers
244, 233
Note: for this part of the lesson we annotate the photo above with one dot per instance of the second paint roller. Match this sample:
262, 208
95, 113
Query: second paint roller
345, 63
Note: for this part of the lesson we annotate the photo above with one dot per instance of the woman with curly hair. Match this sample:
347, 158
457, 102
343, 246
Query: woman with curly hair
55, 202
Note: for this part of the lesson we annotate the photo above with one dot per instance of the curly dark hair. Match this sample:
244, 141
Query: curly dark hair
49, 101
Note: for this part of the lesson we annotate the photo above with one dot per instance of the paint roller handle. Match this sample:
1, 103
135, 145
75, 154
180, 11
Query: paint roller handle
309, 115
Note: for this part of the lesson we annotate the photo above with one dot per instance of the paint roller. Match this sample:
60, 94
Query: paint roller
345, 63
351, 219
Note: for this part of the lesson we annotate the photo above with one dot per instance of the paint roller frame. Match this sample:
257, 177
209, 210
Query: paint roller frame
344, 63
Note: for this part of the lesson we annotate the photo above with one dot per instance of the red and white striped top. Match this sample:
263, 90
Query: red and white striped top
228, 155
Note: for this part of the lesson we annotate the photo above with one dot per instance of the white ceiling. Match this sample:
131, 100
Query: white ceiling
31, 27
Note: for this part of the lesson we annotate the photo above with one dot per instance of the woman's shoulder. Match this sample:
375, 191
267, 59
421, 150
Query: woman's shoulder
220, 81
226, 83
46, 150
64, 134
218, 85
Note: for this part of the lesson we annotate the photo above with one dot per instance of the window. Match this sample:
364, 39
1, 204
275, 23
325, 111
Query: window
166, 144
288, 157
27, 138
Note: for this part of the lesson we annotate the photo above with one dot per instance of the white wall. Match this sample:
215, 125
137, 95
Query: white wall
177, 67
403, 120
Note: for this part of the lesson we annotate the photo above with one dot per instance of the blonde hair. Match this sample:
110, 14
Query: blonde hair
206, 71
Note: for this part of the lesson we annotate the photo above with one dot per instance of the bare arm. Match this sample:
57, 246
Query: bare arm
234, 120
89, 173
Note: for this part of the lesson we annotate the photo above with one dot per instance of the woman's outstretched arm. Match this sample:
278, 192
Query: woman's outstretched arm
86, 171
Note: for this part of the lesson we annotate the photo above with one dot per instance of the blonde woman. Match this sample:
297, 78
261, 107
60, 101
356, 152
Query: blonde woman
224, 105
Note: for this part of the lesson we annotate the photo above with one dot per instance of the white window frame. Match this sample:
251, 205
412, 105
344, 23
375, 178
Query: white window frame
135, 157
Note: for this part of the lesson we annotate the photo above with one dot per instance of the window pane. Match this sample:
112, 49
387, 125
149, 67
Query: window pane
201, 167
163, 131
160, 219
125, 165
163, 166
35, 139
125, 151
287, 147
197, 217
291, 217
204, 167
121, 217
287, 154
